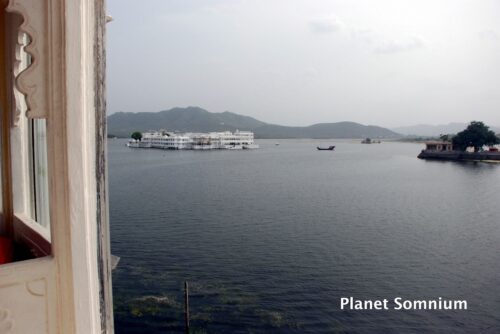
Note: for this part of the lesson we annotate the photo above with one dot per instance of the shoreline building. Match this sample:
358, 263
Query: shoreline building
226, 140
444, 150
439, 146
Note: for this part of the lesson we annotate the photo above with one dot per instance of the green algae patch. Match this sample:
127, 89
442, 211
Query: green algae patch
153, 306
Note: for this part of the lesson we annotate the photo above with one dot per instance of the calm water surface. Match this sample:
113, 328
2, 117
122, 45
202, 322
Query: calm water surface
270, 239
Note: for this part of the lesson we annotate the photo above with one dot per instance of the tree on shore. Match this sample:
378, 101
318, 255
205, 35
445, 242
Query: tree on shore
445, 137
475, 135
136, 136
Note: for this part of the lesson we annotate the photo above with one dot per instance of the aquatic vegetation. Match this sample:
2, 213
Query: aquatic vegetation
276, 319
199, 331
152, 306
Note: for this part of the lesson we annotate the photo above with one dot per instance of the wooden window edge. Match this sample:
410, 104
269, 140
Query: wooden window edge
32, 235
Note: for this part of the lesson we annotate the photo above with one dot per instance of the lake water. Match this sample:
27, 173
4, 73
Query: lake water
270, 239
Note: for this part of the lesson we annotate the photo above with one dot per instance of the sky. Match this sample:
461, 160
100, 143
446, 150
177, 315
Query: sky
301, 62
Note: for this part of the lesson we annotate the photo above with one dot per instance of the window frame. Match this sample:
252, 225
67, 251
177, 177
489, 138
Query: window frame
16, 189
67, 85
20, 161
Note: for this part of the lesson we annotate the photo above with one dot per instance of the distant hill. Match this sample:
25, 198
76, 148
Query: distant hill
324, 131
196, 119
434, 130
179, 119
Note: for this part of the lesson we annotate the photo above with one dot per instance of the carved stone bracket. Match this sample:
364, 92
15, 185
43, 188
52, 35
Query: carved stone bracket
20, 64
34, 81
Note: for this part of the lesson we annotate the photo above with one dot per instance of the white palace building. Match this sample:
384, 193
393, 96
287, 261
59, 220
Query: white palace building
226, 140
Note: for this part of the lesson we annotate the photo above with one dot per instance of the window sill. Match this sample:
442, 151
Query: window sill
31, 234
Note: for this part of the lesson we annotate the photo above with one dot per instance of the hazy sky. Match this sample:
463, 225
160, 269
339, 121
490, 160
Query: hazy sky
299, 62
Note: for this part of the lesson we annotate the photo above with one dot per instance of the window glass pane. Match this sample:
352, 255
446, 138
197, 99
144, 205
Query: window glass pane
38, 170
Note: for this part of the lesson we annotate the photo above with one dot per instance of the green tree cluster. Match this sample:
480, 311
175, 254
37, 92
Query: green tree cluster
475, 135
137, 136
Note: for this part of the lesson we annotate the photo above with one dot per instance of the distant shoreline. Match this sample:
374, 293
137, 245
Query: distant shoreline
393, 140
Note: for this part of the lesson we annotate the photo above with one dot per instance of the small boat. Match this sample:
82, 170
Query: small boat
277, 144
370, 141
329, 148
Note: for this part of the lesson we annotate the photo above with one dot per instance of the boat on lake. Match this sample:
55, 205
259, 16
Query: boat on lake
370, 141
329, 148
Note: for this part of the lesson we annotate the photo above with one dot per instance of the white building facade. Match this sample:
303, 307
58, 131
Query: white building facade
226, 140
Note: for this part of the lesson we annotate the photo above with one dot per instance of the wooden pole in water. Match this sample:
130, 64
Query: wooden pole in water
186, 307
